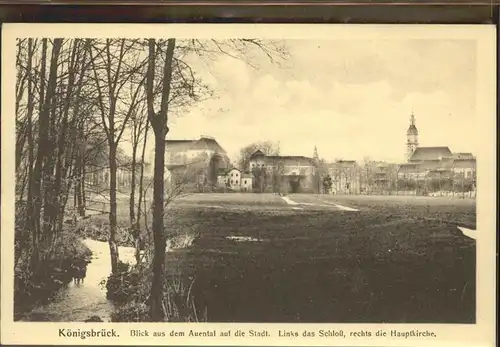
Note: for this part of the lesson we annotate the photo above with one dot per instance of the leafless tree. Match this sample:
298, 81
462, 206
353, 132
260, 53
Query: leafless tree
114, 67
178, 81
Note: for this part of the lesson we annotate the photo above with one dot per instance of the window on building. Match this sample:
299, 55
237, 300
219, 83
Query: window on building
231, 181
236, 181
245, 182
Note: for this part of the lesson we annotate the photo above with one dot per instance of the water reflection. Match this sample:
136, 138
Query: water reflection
77, 302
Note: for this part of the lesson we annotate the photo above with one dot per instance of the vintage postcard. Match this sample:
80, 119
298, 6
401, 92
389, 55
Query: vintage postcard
248, 184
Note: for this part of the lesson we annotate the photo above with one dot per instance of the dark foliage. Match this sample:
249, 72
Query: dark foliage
38, 283
122, 286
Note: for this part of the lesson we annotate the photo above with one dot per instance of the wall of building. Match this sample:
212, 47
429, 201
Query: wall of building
289, 167
96, 177
247, 183
345, 180
234, 177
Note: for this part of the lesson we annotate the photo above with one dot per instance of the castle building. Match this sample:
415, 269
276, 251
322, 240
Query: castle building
292, 173
195, 162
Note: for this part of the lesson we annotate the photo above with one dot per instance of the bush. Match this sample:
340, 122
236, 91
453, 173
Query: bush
38, 281
130, 291
132, 311
123, 286
97, 228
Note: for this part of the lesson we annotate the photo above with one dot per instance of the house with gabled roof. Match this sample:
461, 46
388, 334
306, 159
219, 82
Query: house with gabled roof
235, 179
184, 152
195, 161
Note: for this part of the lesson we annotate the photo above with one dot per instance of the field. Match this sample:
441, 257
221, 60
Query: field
395, 259
318, 258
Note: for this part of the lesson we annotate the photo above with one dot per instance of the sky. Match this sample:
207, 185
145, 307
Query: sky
350, 98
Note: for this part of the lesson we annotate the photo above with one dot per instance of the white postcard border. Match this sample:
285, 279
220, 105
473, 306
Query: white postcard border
480, 334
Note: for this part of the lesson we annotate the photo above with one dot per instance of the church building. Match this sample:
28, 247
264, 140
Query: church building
424, 164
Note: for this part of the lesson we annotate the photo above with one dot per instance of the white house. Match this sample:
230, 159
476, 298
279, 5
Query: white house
246, 182
235, 179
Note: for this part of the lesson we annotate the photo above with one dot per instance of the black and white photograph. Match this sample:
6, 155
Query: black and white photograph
246, 179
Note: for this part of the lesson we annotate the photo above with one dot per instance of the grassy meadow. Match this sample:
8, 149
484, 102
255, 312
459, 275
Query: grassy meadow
395, 259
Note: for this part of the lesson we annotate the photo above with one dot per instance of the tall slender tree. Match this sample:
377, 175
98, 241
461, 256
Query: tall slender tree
158, 121
113, 70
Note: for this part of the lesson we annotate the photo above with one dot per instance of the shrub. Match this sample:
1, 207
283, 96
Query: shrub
132, 311
38, 281
97, 228
123, 286
132, 298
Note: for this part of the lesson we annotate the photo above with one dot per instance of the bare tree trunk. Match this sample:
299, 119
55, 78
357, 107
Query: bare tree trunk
23, 75
159, 124
35, 205
113, 249
42, 165
63, 144
83, 194
141, 190
156, 309
79, 181
22, 187
29, 135
48, 114
116, 79
132, 188
133, 224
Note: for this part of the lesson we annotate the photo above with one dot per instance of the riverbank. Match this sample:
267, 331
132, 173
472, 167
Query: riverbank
78, 302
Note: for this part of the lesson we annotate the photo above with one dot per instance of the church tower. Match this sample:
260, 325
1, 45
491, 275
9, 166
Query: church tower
316, 157
411, 138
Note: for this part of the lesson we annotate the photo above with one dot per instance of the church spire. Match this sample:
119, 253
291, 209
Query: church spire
315, 155
411, 138
412, 129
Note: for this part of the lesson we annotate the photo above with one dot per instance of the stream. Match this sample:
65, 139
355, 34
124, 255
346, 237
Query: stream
78, 302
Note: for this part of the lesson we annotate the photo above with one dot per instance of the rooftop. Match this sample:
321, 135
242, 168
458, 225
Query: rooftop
297, 159
343, 164
257, 153
412, 130
204, 142
430, 153
436, 164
